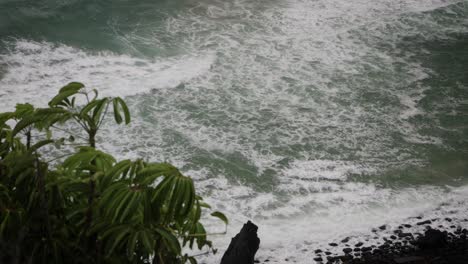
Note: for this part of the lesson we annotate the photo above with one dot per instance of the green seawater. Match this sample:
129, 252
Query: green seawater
278, 109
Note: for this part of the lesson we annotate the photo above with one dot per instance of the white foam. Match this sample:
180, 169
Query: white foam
301, 88
36, 70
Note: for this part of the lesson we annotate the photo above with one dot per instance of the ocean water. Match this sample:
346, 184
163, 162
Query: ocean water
316, 119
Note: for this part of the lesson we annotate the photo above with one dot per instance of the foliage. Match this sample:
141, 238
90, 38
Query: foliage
89, 208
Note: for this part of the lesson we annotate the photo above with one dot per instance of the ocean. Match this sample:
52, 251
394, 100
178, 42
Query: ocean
316, 119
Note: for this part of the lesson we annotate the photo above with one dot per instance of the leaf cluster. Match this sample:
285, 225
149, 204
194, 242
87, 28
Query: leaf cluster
89, 207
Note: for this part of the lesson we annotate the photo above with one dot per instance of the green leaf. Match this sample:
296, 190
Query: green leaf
172, 241
118, 101
25, 122
88, 107
40, 144
66, 91
220, 216
22, 109
117, 115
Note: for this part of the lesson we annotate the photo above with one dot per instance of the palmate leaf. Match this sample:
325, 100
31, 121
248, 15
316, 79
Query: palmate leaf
85, 158
85, 110
171, 240
66, 91
48, 116
99, 109
118, 105
25, 122
23, 109
4, 117
40, 144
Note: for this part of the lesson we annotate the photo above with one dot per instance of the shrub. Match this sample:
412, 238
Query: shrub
85, 206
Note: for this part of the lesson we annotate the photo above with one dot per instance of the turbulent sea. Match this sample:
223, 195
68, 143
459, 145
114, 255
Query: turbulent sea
316, 119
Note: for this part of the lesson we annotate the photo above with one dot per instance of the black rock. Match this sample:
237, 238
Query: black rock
243, 246
364, 249
359, 244
318, 251
404, 235
345, 258
432, 239
345, 240
347, 250
318, 259
382, 227
333, 244
424, 222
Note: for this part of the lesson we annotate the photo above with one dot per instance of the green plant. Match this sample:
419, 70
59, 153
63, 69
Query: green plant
85, 206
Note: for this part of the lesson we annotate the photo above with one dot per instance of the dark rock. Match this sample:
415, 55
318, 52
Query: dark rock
345, 258
318, 251
424, 222
345, 240
408, 260
382, 227
364, 249
243, 246
347, 250
328, 253
432, 239
401, 235
333, 244
407, 225
359, 244
318, 259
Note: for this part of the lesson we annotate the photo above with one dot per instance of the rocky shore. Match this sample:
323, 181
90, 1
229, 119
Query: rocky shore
439, 240
428, 241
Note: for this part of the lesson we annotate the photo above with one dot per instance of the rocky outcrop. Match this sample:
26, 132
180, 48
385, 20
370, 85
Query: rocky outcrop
243, 246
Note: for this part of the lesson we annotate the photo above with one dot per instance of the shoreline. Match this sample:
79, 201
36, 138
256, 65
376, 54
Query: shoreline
416, 240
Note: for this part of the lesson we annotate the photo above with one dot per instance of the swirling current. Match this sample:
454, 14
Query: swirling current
317, 119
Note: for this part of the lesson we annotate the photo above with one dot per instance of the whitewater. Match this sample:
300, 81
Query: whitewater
316, 119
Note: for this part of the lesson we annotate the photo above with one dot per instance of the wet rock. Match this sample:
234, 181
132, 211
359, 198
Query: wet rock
432, 239
410, 260
243, 246
424, 222
365, 249
345, 258
401, 235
